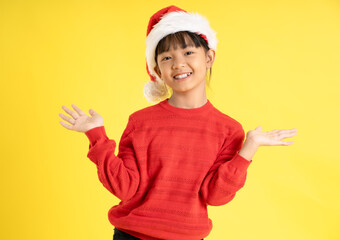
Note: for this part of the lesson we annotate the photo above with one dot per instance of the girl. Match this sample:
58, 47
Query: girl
181, 154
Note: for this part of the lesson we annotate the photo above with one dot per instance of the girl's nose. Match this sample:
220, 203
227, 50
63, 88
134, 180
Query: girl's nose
178, 63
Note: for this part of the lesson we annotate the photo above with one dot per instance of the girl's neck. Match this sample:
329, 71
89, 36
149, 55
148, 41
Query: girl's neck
184, 101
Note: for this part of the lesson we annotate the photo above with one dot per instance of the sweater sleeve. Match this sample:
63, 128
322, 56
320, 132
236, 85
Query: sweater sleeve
119, 174
228, 173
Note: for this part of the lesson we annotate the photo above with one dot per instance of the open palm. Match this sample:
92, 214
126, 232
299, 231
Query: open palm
79, 121
271, 138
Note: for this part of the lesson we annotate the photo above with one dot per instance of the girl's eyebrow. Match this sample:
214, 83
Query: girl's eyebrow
163, 53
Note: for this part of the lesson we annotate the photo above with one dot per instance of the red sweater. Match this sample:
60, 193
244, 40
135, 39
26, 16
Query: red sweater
172, 162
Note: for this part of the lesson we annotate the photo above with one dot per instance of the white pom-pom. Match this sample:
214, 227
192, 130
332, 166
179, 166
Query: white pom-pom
155, 91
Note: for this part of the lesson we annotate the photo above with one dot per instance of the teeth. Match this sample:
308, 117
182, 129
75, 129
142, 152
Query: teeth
183, 75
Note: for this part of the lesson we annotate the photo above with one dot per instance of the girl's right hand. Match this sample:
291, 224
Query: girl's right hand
80, 122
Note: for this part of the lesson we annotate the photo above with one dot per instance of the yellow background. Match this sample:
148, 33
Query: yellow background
277, 66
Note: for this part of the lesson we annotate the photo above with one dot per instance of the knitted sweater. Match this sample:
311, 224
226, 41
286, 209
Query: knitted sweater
172, 162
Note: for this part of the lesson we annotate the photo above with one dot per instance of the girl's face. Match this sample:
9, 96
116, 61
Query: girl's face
184, 69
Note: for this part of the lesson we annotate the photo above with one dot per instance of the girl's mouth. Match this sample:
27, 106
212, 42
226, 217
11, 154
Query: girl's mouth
182, 76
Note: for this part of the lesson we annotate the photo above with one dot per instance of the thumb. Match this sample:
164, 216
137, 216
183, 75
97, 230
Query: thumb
259, 128
92, 112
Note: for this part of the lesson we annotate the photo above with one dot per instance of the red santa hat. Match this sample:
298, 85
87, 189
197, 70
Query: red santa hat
167, 21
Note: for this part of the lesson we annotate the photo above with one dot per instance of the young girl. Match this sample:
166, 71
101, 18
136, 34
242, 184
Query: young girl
181, 154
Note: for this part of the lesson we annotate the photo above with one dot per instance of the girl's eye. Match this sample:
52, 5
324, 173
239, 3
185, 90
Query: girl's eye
165, 58
189, 53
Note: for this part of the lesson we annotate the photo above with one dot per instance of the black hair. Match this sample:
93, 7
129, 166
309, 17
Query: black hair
183, 39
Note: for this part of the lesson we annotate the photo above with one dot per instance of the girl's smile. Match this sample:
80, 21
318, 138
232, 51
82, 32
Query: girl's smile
182, 76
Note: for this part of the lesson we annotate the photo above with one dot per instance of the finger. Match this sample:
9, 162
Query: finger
284, 130
79, 111
285, 134
68, 119
289, 130
282, 143
73, 114
66, 125
272, 132
279, 131
287, 143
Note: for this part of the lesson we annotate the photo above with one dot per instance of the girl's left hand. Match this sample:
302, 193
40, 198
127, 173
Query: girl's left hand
270, 138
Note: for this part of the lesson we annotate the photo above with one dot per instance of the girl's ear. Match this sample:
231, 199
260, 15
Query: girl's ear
158, 72
210, 58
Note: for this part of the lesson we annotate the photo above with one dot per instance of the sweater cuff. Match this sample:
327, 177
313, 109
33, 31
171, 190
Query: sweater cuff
94, 134
240, 162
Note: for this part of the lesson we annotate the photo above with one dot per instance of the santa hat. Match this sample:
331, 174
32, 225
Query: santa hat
167, 21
